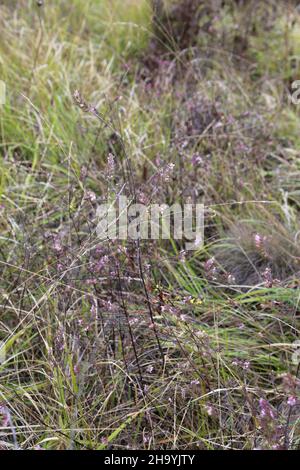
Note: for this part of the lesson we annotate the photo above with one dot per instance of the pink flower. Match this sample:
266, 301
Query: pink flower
90, 196
57, 245
268, 278
196, 159
195, 382
210, 410
292, 401
209, 263
258, 240
150, 369
167, 171
4, 416
266, 410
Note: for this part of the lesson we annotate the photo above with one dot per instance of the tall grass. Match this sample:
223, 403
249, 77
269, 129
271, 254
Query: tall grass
143, 345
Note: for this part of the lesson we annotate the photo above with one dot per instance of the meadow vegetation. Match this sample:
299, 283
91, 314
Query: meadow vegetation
126, 345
